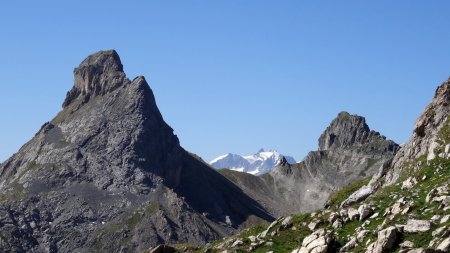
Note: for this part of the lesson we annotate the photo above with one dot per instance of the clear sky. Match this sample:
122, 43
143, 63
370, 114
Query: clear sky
232, 76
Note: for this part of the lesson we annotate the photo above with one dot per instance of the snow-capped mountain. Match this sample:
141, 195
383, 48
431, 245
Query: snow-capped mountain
256, 164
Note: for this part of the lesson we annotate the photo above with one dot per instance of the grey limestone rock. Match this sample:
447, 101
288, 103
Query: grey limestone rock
415, 226
385, 242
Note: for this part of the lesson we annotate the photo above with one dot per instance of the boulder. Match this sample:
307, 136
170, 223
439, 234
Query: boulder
273, 224
435, 218
385, 242
318, 242
353, 214
415, 226
343, 213
361, 194
397, 208
430, 195
438, 231
409, 183
349, 245
364, 211
333, 217
314, 224
287, 222
237, 243
361, 235
374, 216
443, 190
407, 244
252, 238
444, 246
337, 223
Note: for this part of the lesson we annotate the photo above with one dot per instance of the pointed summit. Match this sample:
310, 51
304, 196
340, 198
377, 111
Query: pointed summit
98, 74
348, 130
344, 130
107, 156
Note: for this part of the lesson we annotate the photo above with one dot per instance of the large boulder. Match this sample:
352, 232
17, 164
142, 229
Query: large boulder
444, 246
318, 242
416, 226
385, 242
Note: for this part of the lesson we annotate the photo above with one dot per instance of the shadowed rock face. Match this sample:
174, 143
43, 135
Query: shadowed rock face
348, 151
108, 174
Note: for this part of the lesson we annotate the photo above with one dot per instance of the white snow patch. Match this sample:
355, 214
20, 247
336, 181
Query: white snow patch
219, 158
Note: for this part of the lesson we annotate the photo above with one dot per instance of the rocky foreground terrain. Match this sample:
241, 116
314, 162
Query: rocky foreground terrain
404, 207
107, 174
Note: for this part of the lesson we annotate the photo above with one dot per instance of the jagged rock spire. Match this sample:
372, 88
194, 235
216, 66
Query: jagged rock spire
98, 74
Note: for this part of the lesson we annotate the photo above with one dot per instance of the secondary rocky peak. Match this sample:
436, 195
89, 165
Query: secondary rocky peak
348, 130
98, 74
344, 130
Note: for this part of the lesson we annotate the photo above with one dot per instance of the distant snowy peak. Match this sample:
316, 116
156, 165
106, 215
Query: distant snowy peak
256, 164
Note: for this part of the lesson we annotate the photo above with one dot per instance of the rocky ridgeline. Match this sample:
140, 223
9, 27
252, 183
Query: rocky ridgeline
411, 214
348, 151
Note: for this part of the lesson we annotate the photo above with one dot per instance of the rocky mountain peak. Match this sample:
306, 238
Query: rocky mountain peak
98, 74
348, 130
344, 130
109, 158
109, 60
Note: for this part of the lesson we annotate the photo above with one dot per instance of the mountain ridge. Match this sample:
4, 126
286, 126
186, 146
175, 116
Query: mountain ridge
306, 186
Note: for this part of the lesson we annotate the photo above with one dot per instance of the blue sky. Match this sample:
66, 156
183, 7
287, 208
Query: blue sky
232, 76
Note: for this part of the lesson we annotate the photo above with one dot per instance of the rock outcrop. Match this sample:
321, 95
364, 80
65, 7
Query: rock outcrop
108, 174
318, 242
424, 140
386, 241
